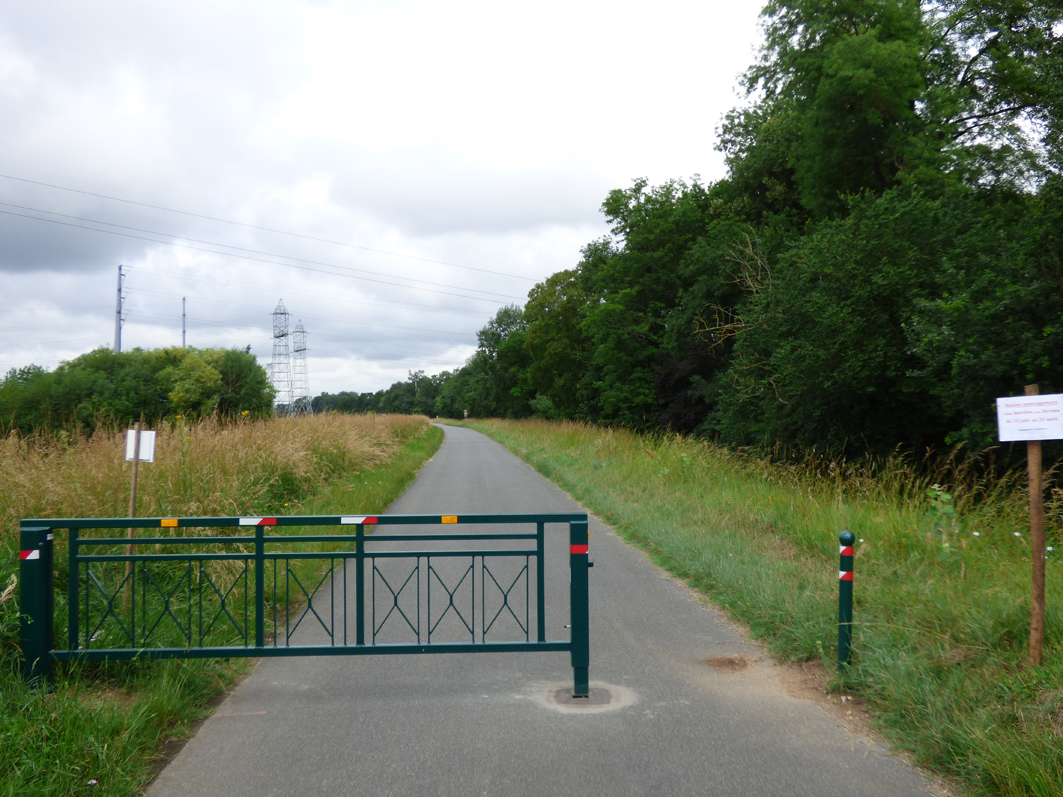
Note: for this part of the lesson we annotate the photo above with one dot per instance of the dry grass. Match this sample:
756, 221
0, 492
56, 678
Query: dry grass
202, 469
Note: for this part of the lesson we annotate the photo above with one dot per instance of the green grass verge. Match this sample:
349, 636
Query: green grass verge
942, 600
104, 729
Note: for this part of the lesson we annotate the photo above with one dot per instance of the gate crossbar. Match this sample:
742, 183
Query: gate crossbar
208, 597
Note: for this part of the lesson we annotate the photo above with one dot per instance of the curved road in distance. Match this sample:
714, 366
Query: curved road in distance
484, 724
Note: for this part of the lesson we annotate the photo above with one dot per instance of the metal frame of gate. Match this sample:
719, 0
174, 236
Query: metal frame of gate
113, 593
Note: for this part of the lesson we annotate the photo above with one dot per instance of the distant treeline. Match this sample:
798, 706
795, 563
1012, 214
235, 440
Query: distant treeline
123, 387
882, 261
418, 395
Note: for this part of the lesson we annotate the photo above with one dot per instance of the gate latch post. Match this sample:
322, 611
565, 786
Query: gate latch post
579, 542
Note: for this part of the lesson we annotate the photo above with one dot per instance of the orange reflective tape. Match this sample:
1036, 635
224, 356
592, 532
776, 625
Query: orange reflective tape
450, 518
170, 522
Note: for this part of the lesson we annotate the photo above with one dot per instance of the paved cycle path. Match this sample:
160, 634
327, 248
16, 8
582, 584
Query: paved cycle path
485, 724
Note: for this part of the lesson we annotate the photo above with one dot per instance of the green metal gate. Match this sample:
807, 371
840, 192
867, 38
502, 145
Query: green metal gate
227, 590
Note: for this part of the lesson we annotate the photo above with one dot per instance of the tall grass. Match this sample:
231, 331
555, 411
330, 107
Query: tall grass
101, 727
942, 598
208, 468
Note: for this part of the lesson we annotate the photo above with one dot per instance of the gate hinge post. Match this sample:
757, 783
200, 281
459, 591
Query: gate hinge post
36, 603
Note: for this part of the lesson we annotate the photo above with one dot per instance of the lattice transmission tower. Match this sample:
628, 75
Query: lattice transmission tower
280, 369
300, 378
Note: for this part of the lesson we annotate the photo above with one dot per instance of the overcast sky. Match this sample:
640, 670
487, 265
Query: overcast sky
393, 171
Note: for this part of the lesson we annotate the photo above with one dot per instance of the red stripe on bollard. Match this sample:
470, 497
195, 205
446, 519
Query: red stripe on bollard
579, 549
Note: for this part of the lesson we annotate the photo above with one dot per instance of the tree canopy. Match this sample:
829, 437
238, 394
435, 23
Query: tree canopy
123, 387
882, 261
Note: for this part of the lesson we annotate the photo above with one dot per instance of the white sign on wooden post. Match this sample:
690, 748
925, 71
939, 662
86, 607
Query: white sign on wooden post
1030, 418
147, 445
1033, 418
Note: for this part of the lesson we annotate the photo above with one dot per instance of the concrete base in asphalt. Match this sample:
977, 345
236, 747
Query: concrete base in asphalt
661, 720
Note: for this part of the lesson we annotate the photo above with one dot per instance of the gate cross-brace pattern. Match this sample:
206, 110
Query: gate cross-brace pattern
150, 603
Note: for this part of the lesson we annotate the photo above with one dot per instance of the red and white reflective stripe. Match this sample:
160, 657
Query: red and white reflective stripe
846, 550
258, 521
845, 575
579, 549
29, 554
355, 520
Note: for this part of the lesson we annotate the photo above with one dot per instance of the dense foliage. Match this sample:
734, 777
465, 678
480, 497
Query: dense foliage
123, 387
882, 261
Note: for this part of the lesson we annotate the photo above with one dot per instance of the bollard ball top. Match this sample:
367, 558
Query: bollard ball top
847, 538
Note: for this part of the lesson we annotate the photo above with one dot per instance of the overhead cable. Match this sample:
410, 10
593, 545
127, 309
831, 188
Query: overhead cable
264, 229
249, 257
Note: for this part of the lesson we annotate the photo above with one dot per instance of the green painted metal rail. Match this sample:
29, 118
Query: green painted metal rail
226, 593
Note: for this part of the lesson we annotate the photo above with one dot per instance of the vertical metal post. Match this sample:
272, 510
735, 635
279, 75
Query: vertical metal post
118, 314
846, 542
359, 584
36, 603
579, 542
540, 579
72, 641
260, 587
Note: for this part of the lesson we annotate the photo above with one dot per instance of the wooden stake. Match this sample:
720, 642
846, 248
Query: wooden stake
132, 514
1037, 544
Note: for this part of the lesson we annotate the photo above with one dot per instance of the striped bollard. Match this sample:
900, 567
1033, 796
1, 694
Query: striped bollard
845, 598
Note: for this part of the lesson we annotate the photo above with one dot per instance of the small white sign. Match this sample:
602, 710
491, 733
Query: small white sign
147, 445
1030, 418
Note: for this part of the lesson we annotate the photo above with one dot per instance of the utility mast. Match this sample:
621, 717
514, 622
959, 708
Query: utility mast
300, 379
280, 370
183, 322
118, 314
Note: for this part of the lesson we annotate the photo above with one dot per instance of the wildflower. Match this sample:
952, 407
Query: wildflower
976, 534
1017, 533
1049, 548
861, 539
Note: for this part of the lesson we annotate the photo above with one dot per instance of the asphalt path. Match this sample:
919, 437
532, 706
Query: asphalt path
677, 719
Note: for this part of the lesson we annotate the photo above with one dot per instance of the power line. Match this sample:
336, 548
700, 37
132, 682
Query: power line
265, 286
264, 229
241, 249
375, 324
144, 320
236, 323
248, 257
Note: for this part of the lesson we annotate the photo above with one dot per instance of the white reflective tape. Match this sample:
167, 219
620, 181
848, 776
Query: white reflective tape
31, 555
249, 521
352, 520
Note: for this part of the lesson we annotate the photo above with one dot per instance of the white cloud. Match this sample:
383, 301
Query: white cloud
473, 133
